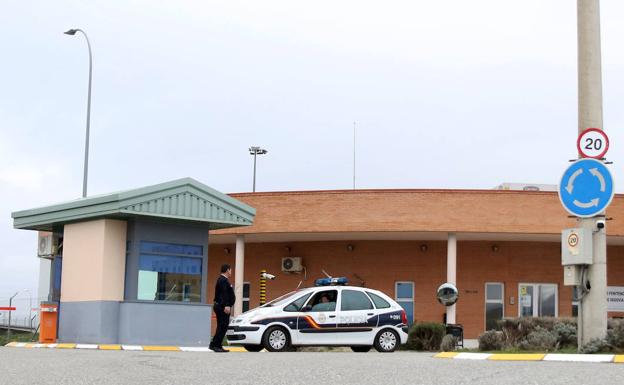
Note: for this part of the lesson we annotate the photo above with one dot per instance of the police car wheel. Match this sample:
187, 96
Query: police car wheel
361, 349
276, 339
253, 348
387, 341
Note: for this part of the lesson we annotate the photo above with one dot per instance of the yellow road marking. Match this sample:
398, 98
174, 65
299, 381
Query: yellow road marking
235, 349
162, 348
66, 346
517, 357
446, 355
619, 358
29, 345
110, 347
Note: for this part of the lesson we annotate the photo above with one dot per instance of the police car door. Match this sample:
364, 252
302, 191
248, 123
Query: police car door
317, 320
357, 318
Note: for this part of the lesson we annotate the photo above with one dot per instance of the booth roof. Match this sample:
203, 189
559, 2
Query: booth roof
183, 201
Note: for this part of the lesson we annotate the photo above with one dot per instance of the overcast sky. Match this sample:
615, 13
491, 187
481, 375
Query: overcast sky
446, 94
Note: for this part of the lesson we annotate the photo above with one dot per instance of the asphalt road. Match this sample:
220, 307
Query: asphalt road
47, 366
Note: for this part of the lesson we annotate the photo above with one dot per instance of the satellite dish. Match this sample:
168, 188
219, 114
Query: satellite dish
447, 294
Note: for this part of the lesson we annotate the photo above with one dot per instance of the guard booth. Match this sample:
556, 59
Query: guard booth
135, 263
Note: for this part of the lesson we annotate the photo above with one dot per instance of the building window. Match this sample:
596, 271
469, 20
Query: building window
404, 295
538, 300
246, 287
169, 272
494, 304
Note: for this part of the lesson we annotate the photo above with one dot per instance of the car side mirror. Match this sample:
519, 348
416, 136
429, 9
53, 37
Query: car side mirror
306, 308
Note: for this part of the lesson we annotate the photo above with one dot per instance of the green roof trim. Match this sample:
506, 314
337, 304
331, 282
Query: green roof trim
181, 200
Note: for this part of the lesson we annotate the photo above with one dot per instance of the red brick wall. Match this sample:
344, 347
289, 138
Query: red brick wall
381, 263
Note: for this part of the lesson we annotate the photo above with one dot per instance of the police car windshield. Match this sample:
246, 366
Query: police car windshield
283, 299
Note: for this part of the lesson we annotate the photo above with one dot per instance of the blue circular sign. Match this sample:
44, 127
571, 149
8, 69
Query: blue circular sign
586, 188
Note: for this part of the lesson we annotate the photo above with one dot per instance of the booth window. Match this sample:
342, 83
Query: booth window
494, 304
404, 294
169, 272
538, 300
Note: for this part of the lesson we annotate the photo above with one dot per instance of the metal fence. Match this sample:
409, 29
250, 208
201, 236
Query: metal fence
25, 315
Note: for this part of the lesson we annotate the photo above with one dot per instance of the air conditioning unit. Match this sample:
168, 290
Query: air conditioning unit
48, 245
292, 264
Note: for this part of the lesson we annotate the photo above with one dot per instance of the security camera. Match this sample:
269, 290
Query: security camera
267, 276
600, 224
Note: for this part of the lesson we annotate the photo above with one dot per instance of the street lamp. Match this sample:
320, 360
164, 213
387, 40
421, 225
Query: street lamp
254, 150
72, 32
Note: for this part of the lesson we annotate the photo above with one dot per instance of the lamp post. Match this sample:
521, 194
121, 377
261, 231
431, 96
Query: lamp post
254, 150
86, 160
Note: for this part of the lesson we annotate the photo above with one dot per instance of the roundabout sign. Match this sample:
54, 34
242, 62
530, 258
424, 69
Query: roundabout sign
586, 188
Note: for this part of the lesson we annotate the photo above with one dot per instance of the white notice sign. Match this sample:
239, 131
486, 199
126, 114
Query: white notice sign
615, 298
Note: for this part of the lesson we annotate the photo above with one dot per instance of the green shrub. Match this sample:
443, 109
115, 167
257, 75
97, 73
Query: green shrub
540, 339
615, 336
597, 345
425, 336
491, 340
449, 342
566, 334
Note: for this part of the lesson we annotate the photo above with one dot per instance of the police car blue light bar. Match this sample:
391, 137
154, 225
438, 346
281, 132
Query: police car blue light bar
331, 281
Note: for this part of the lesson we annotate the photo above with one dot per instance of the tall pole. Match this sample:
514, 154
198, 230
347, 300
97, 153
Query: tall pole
354, 155
254, 173
86, 159
593, 307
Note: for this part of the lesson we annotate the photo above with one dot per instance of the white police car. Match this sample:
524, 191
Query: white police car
329, 314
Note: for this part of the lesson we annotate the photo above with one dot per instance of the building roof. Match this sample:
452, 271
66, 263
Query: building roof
183, 200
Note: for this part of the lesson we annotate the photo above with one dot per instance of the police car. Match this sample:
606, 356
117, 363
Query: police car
330, 314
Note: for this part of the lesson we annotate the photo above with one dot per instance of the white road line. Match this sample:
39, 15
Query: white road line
86, 346
580, 357
195, 349
131, 347
472, 356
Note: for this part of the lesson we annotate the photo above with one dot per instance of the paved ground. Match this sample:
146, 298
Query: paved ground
47, 366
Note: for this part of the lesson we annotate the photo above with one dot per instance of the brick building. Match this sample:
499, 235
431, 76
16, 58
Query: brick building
507, 259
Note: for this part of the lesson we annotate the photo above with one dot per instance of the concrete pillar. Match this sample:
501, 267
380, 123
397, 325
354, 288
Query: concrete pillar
451, 273
593, 309
239, 274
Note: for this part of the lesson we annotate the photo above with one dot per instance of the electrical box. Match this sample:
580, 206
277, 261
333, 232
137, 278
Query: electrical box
576, 246
572, 275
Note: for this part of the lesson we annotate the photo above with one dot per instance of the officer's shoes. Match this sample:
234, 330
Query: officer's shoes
220, 350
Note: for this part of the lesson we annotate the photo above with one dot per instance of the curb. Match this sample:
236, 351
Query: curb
146, 348
615, 358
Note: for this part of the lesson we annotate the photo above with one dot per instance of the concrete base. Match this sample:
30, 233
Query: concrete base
135, 323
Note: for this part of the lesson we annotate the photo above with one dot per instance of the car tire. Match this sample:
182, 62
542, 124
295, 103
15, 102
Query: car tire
253, 348
361, 349
276, 339
387, 341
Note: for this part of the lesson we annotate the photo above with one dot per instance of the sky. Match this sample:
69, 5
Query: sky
444, 94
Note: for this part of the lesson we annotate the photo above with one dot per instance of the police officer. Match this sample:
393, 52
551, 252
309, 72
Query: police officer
223, 301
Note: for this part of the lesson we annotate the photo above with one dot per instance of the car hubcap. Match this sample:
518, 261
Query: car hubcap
387, 340
277, 339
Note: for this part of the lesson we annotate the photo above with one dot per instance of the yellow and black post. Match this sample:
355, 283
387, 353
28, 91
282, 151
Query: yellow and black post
262, 287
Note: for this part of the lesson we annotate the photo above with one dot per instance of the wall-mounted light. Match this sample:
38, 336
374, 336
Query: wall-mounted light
226, 250
350, 247
424, 247
495, 248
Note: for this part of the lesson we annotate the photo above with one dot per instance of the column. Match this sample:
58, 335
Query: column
451, 272
239, 274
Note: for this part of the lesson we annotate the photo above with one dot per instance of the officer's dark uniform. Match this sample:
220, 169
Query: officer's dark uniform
224, 296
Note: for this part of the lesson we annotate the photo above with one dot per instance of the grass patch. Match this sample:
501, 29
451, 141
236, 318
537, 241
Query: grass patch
18, 336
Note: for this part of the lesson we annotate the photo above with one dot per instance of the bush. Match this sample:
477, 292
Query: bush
540, 339
425, 336
449, 342
597, 345
566, 334
615, 336
491, 340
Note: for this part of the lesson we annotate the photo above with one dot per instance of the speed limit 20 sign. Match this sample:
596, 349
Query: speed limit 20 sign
592, 143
